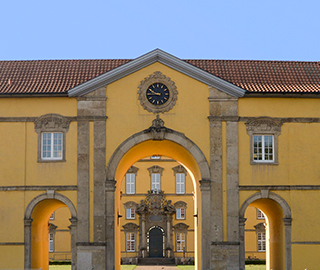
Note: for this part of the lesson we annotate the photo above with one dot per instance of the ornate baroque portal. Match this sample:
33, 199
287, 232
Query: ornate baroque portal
155, 216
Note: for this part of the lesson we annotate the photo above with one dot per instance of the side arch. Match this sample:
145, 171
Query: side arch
287, 219
28, 223
50, 195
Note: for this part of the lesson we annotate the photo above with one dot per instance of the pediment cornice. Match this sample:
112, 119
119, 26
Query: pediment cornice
147, 59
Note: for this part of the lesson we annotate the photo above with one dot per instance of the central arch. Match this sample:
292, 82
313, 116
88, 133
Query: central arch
157, 140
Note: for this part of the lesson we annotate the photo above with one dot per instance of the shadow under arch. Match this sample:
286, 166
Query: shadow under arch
158, 140
55, 200
262, 198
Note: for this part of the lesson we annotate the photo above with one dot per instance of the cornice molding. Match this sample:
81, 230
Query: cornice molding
162, 57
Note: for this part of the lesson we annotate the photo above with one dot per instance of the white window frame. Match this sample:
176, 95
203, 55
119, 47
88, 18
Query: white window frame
180, 183
181, 213
52, 217
130, 242
130, 213
263, 151
180, 242
130, 183
261, 241
260, 214
155, 181
51, 242
55, 147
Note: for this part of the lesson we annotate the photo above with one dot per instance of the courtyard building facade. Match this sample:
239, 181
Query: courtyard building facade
159, 157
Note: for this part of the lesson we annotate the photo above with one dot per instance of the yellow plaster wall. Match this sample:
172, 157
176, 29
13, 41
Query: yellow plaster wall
126, 116
11, 257
305, 257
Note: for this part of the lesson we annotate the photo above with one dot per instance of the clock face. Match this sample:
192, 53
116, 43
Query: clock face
157, 94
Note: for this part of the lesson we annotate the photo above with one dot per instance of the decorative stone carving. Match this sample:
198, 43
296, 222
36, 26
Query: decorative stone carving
181, 227
264, 125
130, 204
158, 130
157, 77
180, 204
155, 169
133, 169
51, 122
260, 227
155, 204
130, 227
179, 169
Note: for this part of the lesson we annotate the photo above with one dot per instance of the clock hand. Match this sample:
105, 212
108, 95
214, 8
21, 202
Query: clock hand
153, 92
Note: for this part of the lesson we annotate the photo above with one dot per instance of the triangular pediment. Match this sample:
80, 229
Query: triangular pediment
164, 58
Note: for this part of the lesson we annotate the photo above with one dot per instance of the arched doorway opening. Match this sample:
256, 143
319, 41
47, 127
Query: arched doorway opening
37, 229
155, 242
277, 229
173, 145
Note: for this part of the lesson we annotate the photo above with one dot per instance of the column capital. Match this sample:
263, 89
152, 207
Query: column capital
287, 221
242, 221
27, 222
205, 184
111, 185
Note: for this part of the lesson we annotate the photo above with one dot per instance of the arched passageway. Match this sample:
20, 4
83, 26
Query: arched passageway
36, 229
278, 229
157, 142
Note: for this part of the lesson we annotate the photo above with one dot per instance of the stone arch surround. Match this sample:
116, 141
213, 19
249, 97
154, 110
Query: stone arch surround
156, 133
28, 223
266, 194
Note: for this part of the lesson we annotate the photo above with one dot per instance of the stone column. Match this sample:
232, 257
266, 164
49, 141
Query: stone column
143, 236
205, 187
288, 247
110, 240
169, 233
73, 233
27, 243
83, 179
232, 181
242, 223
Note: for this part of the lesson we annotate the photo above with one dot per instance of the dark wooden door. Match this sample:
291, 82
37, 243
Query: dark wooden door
155, 243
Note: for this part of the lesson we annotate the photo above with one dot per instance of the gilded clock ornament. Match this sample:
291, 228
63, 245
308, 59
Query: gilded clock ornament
157, 93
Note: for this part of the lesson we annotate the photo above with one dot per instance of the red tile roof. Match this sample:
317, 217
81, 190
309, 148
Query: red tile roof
58, 76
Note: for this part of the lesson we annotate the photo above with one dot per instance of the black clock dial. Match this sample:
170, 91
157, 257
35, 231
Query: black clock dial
157, 94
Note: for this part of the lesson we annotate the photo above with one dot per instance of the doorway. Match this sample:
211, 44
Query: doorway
155, 242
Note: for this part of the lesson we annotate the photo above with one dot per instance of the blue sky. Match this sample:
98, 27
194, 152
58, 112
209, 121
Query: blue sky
217, 29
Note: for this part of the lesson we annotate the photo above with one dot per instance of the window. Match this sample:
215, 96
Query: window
260, 214
51, 129
155, 175
52, 216
180, 213
51, 242
155, 181
264, 133
130, 183
181, 242
263, 148
130, 213
261, 238
180, 174
180, 183
52, 145
131, 241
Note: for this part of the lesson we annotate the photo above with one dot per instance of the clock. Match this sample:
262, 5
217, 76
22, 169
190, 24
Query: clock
158, 94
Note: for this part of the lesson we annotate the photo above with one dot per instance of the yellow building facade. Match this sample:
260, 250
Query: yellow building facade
241, 132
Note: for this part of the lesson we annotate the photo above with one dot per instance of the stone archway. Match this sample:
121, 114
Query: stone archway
50, 195
266, 194
158, 133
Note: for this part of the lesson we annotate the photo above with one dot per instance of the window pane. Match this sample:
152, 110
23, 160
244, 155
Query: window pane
155, 181
180, 183
130, 183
